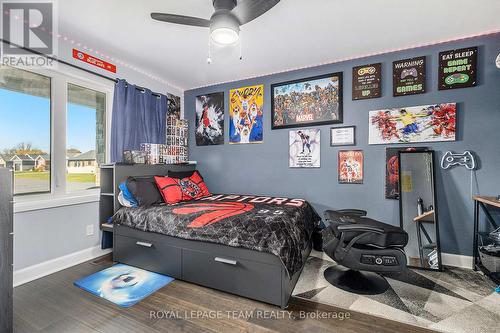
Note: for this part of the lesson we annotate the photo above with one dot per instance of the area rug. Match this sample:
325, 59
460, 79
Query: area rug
122, 284
455, 300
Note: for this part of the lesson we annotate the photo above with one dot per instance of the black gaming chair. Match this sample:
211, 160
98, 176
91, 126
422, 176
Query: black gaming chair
362, 248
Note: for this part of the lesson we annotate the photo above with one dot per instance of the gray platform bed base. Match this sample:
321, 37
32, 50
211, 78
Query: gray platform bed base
257, 275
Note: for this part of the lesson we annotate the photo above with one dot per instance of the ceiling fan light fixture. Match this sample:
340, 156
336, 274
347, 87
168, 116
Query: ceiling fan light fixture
224, 36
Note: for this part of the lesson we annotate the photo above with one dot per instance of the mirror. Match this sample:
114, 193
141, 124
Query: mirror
418, 209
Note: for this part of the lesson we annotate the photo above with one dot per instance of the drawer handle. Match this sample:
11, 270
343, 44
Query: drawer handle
144, 244
226, 261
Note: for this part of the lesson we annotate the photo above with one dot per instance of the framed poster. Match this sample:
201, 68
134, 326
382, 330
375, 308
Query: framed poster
458, 68
408, 76
342, 136
210, 119
246, 107
305, 102
425, 123
304, 148
350, 167
366, 81
173, 106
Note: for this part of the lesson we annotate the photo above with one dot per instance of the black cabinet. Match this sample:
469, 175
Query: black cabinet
6, 236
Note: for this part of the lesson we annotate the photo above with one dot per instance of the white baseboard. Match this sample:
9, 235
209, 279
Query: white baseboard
37, 271
457, 260
449, 259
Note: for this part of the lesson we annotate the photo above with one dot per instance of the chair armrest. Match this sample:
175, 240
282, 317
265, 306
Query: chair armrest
354, 212
359, 227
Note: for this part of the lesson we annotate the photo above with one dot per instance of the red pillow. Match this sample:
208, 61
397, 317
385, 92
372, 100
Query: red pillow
175, 190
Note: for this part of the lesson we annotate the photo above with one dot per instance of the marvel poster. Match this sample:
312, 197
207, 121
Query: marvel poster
304, 148
306, 102
425, 123
210, 119
246, 114
350, 167
408, 76
457, 68
366, 81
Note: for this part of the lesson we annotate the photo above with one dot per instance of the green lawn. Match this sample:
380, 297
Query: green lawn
71, 177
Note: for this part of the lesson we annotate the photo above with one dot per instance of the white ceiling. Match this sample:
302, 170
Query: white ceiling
295, 33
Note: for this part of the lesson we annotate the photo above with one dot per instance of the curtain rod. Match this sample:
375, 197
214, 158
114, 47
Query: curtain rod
77, 67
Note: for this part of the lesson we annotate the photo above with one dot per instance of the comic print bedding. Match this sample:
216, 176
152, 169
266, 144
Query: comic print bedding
280, 226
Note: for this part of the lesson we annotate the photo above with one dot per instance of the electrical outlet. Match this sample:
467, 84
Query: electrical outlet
90, 230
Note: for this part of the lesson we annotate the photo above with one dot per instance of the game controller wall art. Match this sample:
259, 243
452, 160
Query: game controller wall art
465, 159
408, 76
425, 123
366, 81
458, 68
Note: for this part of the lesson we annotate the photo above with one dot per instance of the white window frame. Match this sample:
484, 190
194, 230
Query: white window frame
58, 195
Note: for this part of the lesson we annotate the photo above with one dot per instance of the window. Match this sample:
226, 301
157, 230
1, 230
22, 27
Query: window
53, 128
85, 132
25, 119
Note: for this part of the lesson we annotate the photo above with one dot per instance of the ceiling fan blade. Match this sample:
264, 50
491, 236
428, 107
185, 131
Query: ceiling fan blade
248, 10
181, 19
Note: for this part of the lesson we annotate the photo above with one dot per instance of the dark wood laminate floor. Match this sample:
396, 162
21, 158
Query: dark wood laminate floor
53, 304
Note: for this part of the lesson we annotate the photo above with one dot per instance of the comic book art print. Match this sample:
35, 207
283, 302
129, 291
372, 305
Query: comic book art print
304, 148
350, 167
425, 123
307, 102
246, 114
210, 119
173, 105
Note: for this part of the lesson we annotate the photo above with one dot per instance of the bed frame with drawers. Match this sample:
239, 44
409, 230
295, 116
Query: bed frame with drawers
257, 275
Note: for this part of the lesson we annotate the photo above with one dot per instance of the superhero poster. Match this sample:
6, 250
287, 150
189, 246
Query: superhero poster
304, 148
210, 119
307, 102
425, 123
350, 167
246, 106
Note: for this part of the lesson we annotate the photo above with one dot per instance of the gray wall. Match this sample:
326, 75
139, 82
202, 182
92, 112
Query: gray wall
263, 168
46, 234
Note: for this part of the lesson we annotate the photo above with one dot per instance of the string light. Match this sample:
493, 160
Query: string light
335, 61
72, 41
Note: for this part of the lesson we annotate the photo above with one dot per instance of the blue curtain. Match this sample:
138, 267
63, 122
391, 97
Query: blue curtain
138, 117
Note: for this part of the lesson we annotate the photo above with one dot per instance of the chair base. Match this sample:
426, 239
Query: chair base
358, 282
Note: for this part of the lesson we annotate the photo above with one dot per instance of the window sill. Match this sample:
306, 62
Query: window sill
46, 201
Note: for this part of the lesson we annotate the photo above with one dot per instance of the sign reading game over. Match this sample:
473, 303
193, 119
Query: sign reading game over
408, 76
366, 81
458, 68
305, 102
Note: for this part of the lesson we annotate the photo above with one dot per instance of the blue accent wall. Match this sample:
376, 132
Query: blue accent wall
263, 168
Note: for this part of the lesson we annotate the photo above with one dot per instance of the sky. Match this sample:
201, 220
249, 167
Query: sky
26, 118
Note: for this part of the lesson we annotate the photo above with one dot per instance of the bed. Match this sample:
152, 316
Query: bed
252, 246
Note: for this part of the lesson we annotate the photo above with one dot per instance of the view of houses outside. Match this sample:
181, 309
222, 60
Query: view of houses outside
25, 132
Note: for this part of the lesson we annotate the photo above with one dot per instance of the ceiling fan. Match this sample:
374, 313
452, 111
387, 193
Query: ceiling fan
225, 22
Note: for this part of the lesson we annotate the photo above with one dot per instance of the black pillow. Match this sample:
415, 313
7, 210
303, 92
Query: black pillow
182, 174
144, 190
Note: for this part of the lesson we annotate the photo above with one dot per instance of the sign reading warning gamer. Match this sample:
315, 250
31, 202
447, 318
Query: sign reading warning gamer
82, 56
